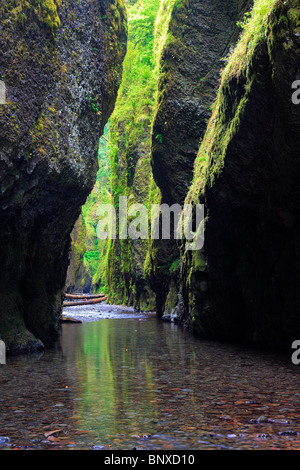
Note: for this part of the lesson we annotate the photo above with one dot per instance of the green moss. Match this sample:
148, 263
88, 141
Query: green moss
130, 136
162, 27
293, 15
231, 102
174, 268
199, 261
255, 27
44, 12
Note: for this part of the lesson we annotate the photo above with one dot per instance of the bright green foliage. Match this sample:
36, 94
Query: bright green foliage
131, 134
253, 27
95, 249
161, 27
134, 108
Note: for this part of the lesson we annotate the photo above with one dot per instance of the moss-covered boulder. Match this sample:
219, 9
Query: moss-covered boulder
62, 64
245, 284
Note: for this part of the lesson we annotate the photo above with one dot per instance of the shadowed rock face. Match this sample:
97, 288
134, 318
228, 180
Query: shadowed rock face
61, 83
245, 285
200, 37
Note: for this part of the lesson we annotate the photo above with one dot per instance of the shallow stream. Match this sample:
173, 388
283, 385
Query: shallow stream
121, 380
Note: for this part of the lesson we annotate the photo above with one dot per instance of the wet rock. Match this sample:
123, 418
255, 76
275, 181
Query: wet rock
288, 433
263, 419
4, 441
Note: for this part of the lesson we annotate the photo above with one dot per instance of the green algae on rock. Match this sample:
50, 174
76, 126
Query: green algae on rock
161, 113
45, 12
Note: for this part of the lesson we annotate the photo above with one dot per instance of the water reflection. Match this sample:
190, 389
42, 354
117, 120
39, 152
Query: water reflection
134, 383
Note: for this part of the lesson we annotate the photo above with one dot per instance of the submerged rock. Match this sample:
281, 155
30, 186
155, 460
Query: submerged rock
4, 441
62, 69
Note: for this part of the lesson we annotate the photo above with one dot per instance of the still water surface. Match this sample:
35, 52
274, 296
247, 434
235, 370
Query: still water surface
125, 383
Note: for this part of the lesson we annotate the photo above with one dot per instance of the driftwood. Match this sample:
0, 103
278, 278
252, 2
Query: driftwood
70, 320
83, 296
84, 302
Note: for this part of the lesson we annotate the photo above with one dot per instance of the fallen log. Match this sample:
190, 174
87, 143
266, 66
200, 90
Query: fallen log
83, 302
83, 296
70, 320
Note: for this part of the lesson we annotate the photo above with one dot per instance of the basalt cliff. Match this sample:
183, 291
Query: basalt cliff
61, 62
244, 285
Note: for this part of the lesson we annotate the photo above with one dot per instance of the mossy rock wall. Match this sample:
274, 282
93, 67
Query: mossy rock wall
62, 68
130, 145
199, 39
245, 284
